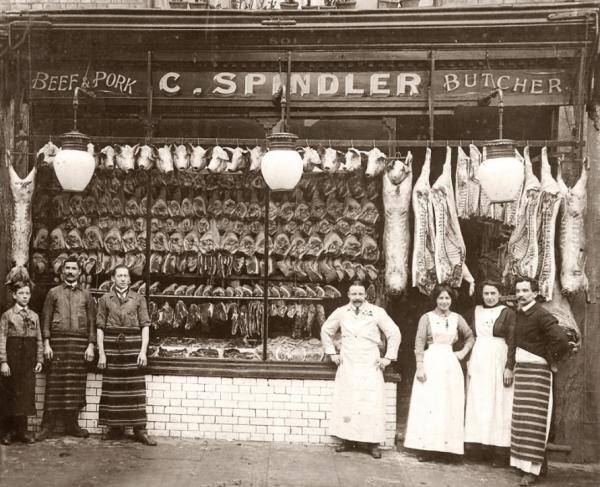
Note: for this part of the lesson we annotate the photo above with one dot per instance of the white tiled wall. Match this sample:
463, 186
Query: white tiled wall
226, 408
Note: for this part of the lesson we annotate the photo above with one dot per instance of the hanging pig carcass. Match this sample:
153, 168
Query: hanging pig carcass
572, 233
550, 201
423, 264
450, 251
523, 255
397, 190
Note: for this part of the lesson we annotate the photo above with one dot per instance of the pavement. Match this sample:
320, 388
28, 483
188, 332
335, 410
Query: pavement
71, 462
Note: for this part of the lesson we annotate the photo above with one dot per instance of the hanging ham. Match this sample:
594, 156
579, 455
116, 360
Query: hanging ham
572, 233
450, 251
397, 189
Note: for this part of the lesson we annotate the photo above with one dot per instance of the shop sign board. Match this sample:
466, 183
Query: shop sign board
552, 86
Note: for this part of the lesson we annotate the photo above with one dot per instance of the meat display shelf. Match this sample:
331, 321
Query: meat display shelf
257, 277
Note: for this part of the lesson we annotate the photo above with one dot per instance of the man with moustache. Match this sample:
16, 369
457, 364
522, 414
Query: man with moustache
358, 397
538, 343
69, 333
123, 335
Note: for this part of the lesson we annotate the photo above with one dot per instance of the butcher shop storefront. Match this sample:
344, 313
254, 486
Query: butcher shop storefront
239, 279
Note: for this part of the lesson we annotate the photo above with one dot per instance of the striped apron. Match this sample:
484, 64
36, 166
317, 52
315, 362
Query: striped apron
123, 400
67, 374
532, 409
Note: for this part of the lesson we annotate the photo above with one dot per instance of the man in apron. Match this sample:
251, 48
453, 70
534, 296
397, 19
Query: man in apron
538, 343
123, 335
69, 333
358, 399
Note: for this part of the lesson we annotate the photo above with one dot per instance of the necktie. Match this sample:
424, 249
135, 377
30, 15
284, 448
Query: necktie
25, 317
356, 310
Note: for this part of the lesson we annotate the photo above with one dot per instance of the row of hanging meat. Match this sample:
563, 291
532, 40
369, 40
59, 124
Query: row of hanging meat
439, 251
215, 159
329, 238
243, 319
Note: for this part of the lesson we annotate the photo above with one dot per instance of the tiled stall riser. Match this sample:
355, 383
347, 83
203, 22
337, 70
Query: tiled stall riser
283, 410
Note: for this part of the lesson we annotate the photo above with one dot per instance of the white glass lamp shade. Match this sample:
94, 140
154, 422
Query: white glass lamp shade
501, 174
281, 166
73, 165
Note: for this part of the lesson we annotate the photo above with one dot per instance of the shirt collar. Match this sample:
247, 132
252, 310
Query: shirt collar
71, 286
361, 308
528, 307
18, 308
127, 294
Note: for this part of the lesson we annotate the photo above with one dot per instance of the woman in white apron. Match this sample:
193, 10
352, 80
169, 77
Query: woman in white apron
436, 415
490, 375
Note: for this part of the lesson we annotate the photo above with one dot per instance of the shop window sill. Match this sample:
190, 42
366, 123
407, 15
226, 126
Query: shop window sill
259, 370
191, 5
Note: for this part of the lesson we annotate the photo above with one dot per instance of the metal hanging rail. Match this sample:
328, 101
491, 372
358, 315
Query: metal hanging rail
312, 142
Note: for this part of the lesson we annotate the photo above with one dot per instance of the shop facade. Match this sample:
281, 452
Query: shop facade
195, 239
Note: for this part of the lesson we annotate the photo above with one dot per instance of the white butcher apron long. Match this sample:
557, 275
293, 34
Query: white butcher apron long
358, 399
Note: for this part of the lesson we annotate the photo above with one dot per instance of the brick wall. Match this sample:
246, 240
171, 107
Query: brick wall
281, 410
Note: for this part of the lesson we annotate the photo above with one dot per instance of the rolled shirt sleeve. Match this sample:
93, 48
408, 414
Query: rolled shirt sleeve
143, 316
101, 313
47, 313
328, 331
421, 338
467, 334
90, 307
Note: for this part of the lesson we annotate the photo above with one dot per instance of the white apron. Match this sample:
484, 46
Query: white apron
436, 415
489, 402
358, 394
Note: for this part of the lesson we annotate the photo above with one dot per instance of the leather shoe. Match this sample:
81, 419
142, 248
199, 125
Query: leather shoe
375, 452
5, 439
44, 434
77, 431
25, 438
528, 479
144, 439
344, 446
113, 434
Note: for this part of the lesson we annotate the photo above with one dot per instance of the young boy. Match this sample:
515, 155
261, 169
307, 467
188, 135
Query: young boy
21, 356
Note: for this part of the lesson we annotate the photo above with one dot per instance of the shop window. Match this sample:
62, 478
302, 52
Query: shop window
207, 239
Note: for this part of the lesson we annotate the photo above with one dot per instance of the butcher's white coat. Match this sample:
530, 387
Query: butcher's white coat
357, 412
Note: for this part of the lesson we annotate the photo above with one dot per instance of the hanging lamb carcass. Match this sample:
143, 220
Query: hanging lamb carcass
21, 226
